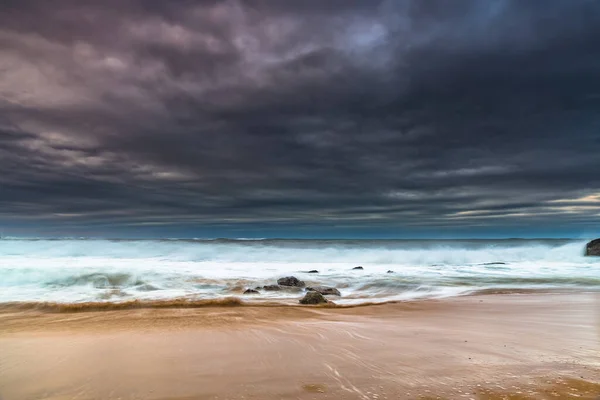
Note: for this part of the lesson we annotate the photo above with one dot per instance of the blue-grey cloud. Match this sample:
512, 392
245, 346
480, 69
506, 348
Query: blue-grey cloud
359, 115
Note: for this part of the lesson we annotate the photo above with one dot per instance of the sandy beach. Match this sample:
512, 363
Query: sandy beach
492, 346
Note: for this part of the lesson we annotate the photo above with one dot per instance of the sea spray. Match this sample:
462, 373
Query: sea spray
74, 271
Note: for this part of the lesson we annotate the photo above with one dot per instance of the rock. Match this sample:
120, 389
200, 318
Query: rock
593, 248
324, 290
290, 281
272, 288
251, 291
390, 272
313, 271
313, 298
359, 267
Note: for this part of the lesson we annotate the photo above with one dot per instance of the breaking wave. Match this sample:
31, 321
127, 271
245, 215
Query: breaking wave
126, 271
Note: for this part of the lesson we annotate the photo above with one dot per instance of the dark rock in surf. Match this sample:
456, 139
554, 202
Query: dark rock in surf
593, 248
251, 291
324, 290
290, 281
359, 267
272, 288
313, 271
390, 272
276, 288
313, 298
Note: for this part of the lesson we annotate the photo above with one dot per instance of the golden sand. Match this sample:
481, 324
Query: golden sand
509, 346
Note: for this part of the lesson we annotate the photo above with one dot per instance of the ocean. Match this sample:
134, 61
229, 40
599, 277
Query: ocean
86, 270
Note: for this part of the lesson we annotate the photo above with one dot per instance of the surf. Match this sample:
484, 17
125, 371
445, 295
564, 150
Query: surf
116, 271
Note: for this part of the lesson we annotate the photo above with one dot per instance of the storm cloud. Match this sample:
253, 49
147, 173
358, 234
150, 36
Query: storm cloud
300, 118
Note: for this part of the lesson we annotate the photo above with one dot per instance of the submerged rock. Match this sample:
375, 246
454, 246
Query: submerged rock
324, 290
313, 298
146, 287
109, 294
251, 291
290, 281
593, 248
272, 288
359, 267
313, 271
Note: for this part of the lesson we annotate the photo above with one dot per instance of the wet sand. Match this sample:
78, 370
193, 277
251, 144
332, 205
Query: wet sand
494, 346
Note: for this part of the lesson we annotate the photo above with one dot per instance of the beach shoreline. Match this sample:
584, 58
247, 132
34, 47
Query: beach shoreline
480, 346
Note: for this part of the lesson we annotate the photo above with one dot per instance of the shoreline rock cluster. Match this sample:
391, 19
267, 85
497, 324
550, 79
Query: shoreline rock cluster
314, 294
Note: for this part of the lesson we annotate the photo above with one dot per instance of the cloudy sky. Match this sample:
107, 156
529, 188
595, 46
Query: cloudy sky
313, 118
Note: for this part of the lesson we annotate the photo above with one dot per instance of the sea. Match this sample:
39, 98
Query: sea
111, 271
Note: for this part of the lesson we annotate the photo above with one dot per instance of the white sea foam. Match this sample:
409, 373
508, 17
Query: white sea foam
102, 270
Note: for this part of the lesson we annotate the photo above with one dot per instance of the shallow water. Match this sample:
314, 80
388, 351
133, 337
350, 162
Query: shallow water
71, 271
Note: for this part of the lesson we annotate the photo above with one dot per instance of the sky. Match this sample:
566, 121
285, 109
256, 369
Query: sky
313, 118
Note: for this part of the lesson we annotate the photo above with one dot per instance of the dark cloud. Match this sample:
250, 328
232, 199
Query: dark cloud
342, 117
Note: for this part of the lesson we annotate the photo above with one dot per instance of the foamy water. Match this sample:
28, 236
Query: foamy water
70, 271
